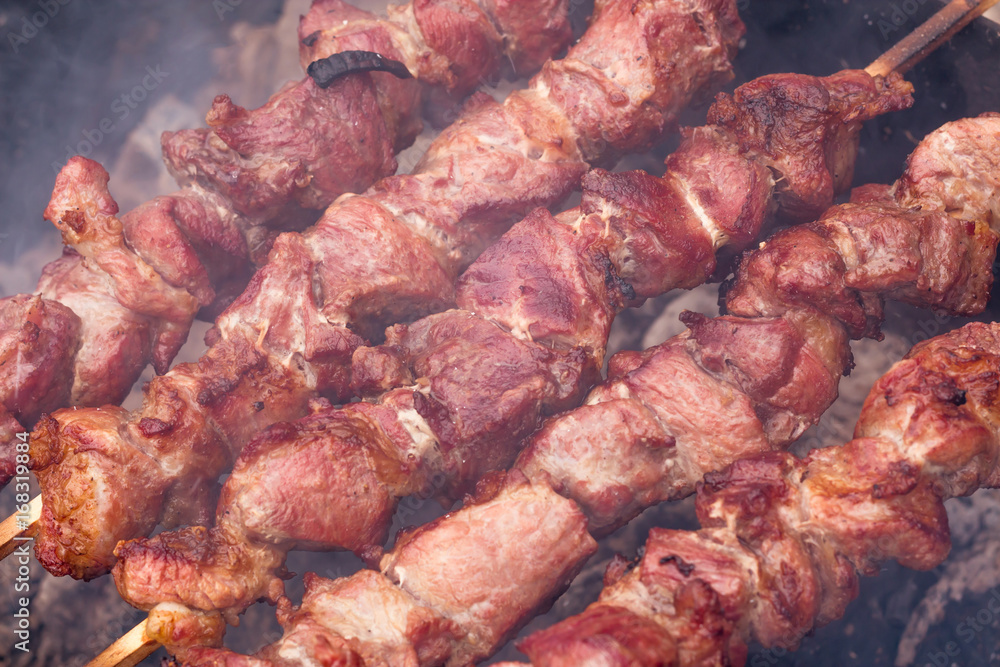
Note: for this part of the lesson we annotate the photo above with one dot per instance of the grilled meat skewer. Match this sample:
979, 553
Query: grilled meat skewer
791, 306
453, 395
784, 538
286, 340
100, 317
732, 357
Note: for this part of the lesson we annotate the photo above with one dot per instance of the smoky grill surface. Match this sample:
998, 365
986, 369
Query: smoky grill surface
61, 80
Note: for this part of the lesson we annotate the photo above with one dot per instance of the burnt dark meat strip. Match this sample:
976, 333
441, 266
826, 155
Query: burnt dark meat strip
327, 70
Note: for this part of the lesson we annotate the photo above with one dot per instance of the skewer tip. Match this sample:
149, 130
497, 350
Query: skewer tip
128, 651
20, 527
928, 36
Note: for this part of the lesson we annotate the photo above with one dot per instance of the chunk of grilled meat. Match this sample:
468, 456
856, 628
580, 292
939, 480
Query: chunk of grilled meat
310, 144
37, 338
800, 528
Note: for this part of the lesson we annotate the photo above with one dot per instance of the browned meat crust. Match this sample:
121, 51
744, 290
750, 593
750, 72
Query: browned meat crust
251, 175
754, 380
453, 395
408, 613
783, 537
395, 252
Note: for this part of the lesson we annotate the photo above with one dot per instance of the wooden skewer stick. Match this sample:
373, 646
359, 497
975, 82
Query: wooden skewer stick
127, 651
19, 528
933, 33
135, 646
